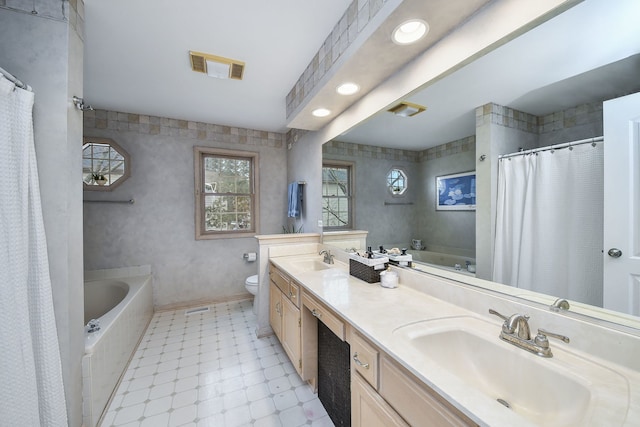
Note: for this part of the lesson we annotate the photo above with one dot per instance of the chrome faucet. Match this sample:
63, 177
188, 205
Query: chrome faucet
515, 330
328, 258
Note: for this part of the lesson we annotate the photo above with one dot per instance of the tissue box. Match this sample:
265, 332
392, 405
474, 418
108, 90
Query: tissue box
367, 269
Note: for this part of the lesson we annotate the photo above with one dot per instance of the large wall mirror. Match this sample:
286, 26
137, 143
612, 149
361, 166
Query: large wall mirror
105, 165
553, 81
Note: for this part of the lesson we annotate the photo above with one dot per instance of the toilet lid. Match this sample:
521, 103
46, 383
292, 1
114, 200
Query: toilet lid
253, 280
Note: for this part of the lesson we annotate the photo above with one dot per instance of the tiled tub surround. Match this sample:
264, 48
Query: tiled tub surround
209, 369
108, 350
376, 312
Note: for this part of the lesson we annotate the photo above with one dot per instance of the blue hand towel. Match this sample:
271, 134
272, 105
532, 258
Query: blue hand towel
295, 200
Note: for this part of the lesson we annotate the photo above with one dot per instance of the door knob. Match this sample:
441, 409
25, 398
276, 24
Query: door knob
615, 253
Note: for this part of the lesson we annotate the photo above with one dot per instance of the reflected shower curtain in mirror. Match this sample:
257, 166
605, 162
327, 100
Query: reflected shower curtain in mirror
549, 222
30, 370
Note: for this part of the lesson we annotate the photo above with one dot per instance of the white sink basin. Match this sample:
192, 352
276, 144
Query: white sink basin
566, 390
310, 264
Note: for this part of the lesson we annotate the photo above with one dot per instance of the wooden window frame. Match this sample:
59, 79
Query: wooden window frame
351, 197
199, 154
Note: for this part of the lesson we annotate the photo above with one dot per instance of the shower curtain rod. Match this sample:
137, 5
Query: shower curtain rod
14, 80
553, 147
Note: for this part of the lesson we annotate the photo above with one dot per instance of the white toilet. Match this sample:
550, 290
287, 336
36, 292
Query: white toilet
251, 284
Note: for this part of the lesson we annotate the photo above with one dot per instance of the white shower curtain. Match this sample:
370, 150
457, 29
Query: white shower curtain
30, 370
549, 222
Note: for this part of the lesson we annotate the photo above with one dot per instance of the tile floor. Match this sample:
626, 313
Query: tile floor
209, 369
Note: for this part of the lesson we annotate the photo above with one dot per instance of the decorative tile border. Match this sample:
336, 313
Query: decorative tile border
462, 145
354, 20
565, 119
339, 148
153, 125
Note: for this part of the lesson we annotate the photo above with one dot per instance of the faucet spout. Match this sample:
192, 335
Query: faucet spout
328, 258
518, 324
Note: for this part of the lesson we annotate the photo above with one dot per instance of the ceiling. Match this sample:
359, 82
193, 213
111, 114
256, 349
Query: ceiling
136, 60
589, 53
136, 56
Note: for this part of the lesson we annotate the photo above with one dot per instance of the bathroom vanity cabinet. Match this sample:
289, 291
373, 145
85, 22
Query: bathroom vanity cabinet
383, 393
284, 314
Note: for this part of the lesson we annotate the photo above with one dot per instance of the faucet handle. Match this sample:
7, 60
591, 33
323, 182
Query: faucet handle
543, 334
502, 316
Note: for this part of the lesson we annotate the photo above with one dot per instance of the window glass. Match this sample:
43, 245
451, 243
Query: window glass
336, 196
397, 181
227, 202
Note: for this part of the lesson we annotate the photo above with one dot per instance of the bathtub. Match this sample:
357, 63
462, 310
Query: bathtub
442, 260
123, 305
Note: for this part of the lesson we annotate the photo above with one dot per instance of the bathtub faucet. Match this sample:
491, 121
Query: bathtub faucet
93, 325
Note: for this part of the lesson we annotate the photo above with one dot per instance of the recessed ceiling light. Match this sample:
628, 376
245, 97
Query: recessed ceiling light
410, 31
321, 112
348, 88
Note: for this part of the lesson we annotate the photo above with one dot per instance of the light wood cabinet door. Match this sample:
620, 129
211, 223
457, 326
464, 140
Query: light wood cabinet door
275, 310
415, 401
368, 409
291, 333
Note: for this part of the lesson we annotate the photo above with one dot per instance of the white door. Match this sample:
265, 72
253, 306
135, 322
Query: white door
621, 255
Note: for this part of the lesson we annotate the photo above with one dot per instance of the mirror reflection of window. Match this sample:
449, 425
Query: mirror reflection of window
397, 181
336, 196
104, 164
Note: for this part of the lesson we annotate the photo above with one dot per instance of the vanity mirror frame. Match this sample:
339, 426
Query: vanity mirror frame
126, 159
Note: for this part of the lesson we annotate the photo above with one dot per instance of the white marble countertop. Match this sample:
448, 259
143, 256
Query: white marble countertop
376, 312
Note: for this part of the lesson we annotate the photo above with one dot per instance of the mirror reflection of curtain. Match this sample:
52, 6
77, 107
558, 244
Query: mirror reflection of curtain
549, 222
32, 393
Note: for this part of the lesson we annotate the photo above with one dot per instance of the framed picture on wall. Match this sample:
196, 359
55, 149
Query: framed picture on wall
456, 192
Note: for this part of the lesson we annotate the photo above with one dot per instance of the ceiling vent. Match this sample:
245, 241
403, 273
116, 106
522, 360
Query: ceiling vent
407, 109
216, 66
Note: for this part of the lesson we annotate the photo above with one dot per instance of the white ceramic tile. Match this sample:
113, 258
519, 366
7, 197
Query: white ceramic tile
157, 406
293, 416
187, 397
285, 400
211, 370
210, 407
236, 417
261, 408
183, 416
129, 414
269, 421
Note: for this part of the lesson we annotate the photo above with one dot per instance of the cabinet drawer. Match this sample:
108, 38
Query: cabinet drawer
415, 401
280, 279
324, 315
294, 293
364, 359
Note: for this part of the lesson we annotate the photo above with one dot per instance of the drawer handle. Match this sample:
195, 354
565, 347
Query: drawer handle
358, 362
316, 313
291, 295
278, 308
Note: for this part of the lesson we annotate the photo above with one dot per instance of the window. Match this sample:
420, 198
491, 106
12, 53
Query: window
337, 203
397, 181
226, 197
105, 164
